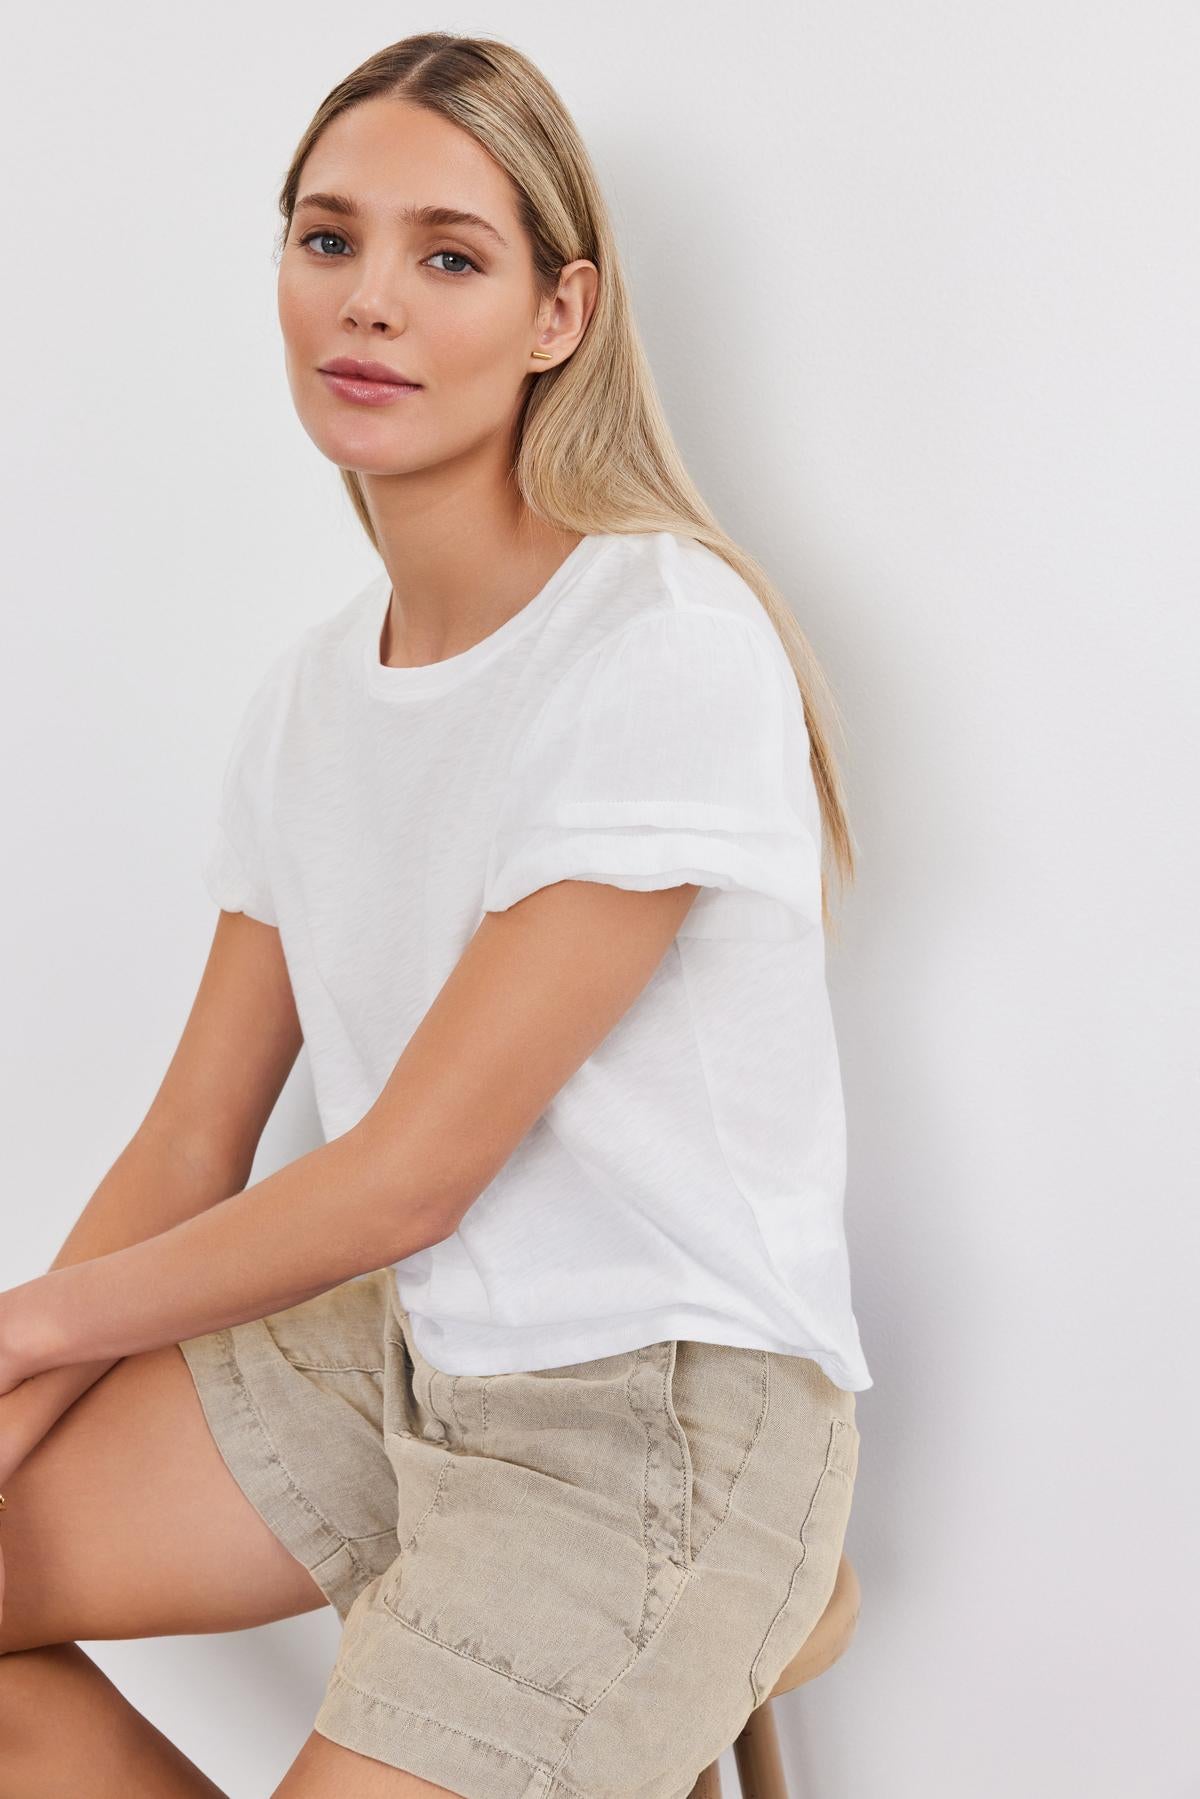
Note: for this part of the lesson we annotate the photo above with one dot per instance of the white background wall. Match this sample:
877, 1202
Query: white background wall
919, 285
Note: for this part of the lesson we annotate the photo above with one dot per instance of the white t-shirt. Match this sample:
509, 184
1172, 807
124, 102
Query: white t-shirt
637, 722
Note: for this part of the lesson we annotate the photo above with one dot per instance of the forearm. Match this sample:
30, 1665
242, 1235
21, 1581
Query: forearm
157, 1181
337, 1212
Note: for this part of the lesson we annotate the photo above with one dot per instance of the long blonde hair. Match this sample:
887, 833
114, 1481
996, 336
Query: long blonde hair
594, 450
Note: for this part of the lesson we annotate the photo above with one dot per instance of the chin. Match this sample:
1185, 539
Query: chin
364, 451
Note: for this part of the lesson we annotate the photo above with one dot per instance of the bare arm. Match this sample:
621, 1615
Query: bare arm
534, 993
195, 1147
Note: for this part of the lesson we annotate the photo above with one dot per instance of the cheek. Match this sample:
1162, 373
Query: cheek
471, 336
295, 309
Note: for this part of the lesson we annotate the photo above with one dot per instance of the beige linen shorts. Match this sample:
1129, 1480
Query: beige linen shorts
573, 1582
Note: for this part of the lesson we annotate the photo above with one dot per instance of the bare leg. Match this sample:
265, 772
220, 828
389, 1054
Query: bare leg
123, 1522
65, 1728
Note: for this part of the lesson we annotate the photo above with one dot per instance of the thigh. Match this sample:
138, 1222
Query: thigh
124, 1521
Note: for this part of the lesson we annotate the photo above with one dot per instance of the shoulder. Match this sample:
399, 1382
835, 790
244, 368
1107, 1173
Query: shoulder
669, 605
688, 663
669, 571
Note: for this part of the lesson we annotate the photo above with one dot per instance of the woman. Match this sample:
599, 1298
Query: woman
542, 1368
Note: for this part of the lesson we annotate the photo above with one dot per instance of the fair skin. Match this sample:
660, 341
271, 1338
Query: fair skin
122, 1519
462, 552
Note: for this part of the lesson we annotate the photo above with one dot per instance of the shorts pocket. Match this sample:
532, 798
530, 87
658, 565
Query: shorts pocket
717, 1402
542, 1541
822, 1531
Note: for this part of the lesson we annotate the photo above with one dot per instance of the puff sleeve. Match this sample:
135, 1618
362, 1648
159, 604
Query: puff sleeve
674, 751
236, 862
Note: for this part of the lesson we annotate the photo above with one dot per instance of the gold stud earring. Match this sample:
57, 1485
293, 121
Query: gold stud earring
545, 355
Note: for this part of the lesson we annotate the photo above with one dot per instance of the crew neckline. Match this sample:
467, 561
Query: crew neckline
440, 677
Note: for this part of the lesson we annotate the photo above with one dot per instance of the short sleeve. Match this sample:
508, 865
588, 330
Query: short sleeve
674, 751
236, 863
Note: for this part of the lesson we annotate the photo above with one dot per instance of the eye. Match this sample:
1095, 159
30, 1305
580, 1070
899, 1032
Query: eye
455, 255
458, 257
333, 234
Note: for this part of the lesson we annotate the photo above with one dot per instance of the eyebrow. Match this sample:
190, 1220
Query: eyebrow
407, 215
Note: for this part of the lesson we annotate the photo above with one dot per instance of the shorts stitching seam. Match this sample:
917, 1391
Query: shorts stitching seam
293, 1487
440, 1723
329, 1367
437, 1494
623, 1671
480, 1661
557, 1786
637, 1357
683, 1533
827, 1469
759, 1426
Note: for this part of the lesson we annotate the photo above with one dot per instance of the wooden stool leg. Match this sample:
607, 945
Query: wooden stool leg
709, 1784
756, 1750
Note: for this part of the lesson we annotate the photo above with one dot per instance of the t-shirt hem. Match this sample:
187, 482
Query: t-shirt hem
526, 1348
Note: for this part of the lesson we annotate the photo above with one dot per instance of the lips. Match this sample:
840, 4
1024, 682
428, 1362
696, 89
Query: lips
367, 371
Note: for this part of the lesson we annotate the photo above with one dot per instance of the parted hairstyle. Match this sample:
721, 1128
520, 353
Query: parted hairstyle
594, 452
